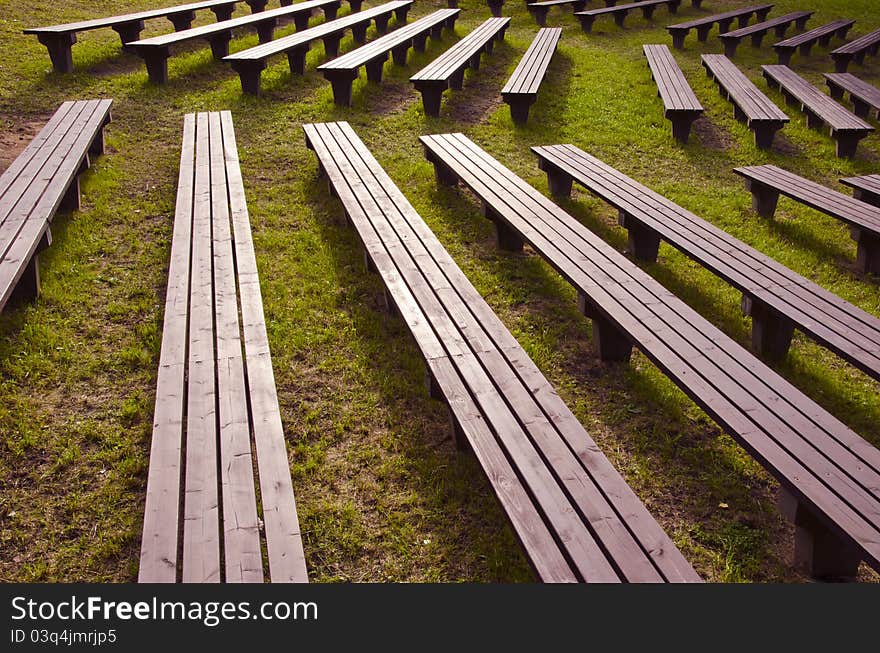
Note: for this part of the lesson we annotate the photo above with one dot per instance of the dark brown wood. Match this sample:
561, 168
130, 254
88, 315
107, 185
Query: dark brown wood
619, 12
757, 31
704, 25
521, 90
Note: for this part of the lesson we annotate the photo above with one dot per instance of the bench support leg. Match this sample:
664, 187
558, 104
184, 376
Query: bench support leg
771, 331
847, 144
431, 385
558, 181
355, 5
644, 242
297, 59
505, 238
868, 251
223, 12
220, 45
129, 32
764, 133
382, 23
331, 45
257, 5
611, 345
399, 53
443, 175
266, 30
97, 145
183, 20
817, 550
342, 85
866, 196
730, 48
540, 15
495, 6
28, 287
764, 198
681, 126
519, 107
250, 72
783, 56
432, 94
677, 40
586, 23
861, 108
301, 21
71, 200
59, 50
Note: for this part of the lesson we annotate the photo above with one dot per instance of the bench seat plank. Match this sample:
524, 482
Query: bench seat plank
806, 40
681, 105
521, 90
447, 70
704, 25
620, 12
856, 50
215, 389
759, 112
250, 63
342, 71
846, 128
42, 180
772, 293
865, 188
864, 96
156, 50
757, 31
803, 446
574, 515
767, 182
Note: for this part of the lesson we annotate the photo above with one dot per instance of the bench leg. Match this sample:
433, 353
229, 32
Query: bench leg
620, 18
681, 126
861, 108
355, 5
678, 40
382, 23
331, 45
841, 62
456, 82
431, 385
847, 144
644, 242
129, 32
220, 44
301, 21
648, 11
157, 65
783, 56
359, 32
342, 85
399, 54
611, 345
72, 198
388, 304
374, 69
182, 20
539, 14
223, 12
519, 108
558, 181
250, 72
28, 287
297, 59
764, 134
59, 50
442, 174
758, 39
505, 238
834, 90
730, 46
420, 42
817, 550
771, 331
257, 5
586, 23
474, 62
866, 196
764, 198
495, 7
331, 10
432, 94
266, 30
400, 15
868, 251
96, 147
762, 14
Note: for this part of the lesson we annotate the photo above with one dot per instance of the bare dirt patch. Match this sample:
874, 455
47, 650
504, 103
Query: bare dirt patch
15, 134
712, 136
391, 99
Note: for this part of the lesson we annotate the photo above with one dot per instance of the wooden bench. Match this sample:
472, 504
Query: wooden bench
575, 517
619, 12
836, 512
215, 392
704, 25
521, 90
757, 31
58, 39
845, 128
342, 71
767, 182
856, 50
864, 96
682, 107
804, 42
156, 50
758, 111
447, 70
495, 7
778, 299
865, 188
539, 10
41, 181
250, 63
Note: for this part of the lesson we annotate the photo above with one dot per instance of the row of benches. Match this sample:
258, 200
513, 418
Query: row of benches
752, 106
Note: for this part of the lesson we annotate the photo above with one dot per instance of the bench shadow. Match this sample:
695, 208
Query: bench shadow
433, 466
481, 93
556, 86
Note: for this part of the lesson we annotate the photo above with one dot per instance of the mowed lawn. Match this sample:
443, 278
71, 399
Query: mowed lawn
382, 493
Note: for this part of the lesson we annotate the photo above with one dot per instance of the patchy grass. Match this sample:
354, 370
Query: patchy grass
381, 491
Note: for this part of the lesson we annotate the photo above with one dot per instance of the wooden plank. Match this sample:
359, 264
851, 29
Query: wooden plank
159, 541
283, 534
459, 54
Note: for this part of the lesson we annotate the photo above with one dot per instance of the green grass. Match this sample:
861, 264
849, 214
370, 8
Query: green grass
382, 493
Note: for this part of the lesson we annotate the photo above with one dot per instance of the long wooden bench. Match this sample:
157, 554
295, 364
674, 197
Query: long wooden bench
845, 127
620, 12
58, 39
865, 188
215, 392
682, 107
768, 182
829, 476
856, 50
539, 10
41, 181
757, 31
155, 51
864, 96
575, 517
705, 24
750, 105
250, 63
342, 71
778, 299
447, 70
521, 90
804, 42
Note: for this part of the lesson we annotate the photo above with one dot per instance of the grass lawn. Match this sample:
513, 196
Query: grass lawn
382, 493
